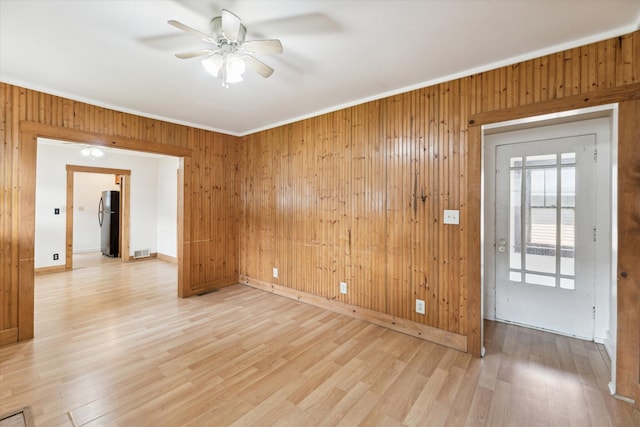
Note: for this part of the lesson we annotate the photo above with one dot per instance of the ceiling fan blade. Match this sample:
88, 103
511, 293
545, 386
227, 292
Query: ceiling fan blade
264, 46
181, 26
258, 66
194, 53
230, 25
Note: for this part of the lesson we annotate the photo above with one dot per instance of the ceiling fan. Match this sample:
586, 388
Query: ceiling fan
230, 54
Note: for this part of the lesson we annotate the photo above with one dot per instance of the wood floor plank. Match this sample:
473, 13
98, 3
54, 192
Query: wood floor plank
114, 346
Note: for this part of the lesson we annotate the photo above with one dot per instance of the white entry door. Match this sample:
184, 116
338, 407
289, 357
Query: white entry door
545, 232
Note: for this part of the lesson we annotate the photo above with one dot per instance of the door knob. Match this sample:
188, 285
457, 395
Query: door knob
502, 245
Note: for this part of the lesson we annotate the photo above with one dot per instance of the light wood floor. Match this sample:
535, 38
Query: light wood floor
91, 259
115, 347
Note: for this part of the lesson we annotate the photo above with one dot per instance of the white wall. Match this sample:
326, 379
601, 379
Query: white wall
87, 189
167, 206
51, 187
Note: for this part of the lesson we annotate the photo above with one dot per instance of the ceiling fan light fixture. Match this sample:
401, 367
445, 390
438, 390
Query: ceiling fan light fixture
230, 54
213, 64
92, 152
235, 69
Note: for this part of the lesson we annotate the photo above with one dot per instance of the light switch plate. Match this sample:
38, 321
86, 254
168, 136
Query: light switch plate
343, 287
451, 216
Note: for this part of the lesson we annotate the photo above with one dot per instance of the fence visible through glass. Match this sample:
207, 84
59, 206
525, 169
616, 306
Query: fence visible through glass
542, 220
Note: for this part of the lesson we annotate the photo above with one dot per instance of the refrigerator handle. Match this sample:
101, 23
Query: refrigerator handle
100, 211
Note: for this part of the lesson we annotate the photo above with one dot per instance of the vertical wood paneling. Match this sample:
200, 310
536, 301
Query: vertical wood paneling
210, 184
367, 204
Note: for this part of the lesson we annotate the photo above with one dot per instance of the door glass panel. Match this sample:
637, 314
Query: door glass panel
568, 158
540, 220
567, 283
515, 276
568, 222
542, 223
538, 279
515, 220
542, 160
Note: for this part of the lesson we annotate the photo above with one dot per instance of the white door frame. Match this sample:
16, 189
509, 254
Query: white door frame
606, 159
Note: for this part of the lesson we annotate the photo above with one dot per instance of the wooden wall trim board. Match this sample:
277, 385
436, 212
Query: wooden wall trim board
427, 333
167, 258
8, 336
26, 225
576, 102
356, 193
102, 139
68, 260
49, 270
125, 231
628, 340
93, 169
474, 309
215, 284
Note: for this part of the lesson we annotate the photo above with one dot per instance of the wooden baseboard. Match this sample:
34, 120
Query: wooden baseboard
210, 286
8, 336
168, 258
49, 270
418, 330
152, 255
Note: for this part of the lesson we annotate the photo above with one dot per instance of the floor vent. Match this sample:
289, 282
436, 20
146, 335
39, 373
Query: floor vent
144, 253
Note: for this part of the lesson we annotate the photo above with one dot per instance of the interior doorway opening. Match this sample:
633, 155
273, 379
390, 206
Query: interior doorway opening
122, 179
602, 233
150, 217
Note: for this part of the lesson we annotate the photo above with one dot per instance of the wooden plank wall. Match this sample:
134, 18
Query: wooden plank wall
210, 189
357, 195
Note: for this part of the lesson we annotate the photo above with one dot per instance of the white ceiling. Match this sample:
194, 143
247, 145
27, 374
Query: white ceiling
119, 54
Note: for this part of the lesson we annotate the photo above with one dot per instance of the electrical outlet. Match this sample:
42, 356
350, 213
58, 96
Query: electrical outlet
420, 306
55, 257
56, 211
451, 216
275, 273
343, 287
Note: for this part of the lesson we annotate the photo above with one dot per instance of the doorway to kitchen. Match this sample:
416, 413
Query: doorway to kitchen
122, 179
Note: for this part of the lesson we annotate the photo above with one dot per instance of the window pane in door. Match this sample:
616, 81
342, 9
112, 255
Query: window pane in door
540, 220
542, 160
515, 220
516, 162
569, 284
538, 279
568, 221
515, 276
568, 158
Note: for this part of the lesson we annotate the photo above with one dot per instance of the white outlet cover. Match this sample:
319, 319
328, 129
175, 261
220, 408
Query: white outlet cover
420, 306
275, 272
343, 287
451, 216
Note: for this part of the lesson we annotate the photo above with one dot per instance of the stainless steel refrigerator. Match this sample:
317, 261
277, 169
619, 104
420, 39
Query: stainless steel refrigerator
109, 220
